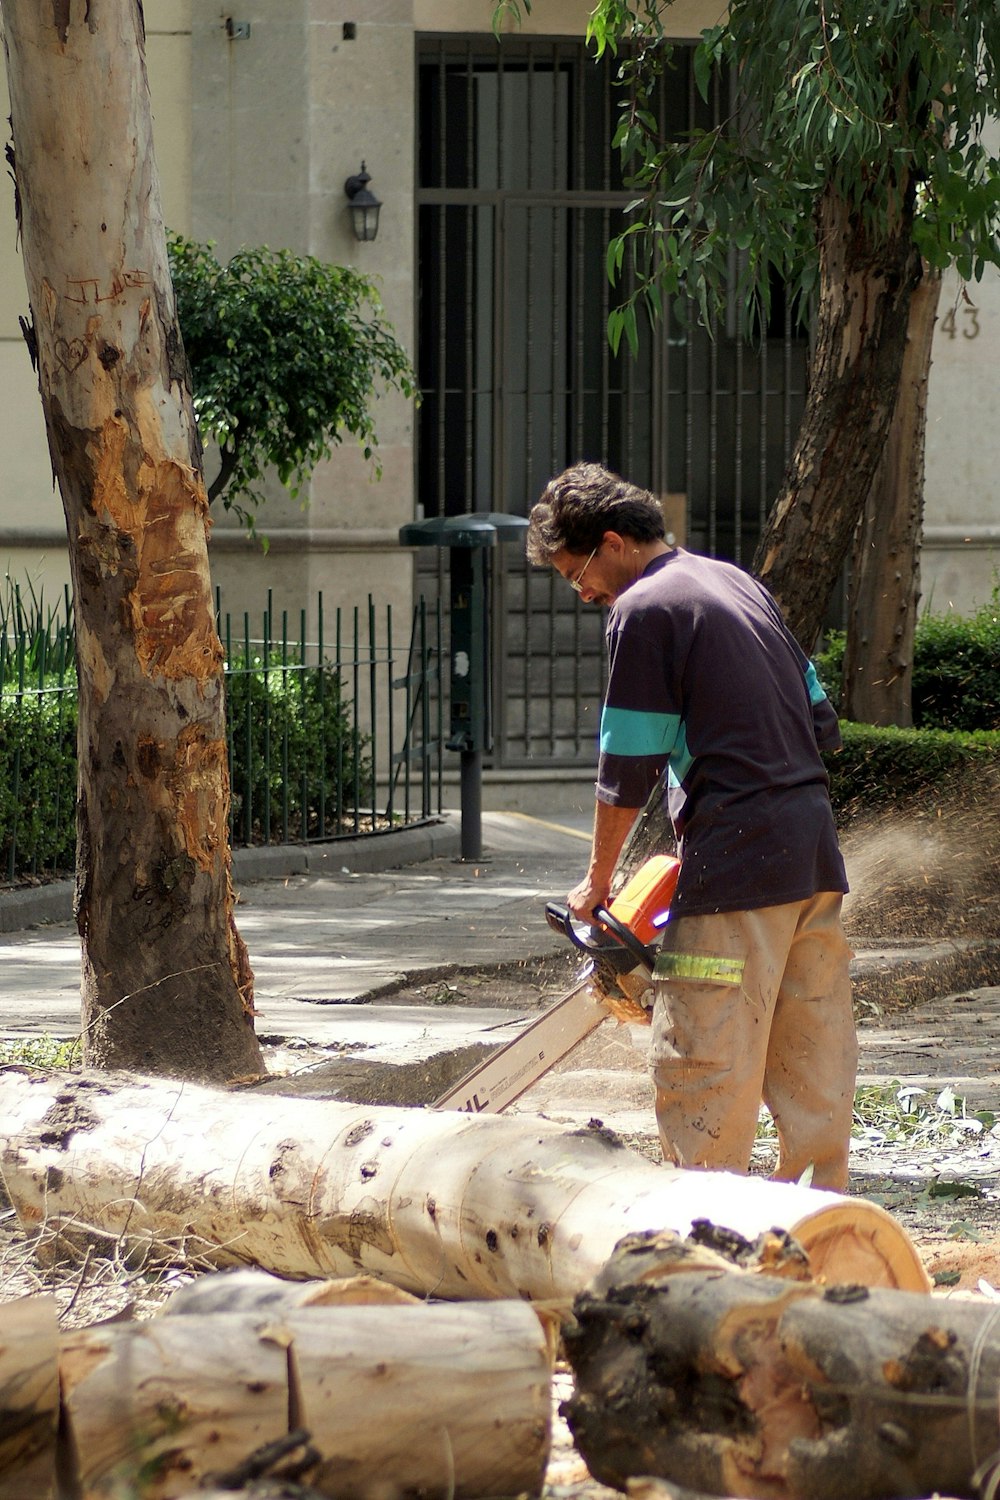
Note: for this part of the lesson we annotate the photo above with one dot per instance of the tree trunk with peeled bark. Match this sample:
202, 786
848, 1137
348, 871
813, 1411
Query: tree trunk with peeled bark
885, 574
167, 985
438, 1202
860, 334
759, 1386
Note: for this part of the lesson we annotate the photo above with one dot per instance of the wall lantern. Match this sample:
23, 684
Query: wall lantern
364, 205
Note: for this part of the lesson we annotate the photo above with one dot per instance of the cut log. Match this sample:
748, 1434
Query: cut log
435, 1400
722, 1382
251, 1291
29, 1398
440, 1203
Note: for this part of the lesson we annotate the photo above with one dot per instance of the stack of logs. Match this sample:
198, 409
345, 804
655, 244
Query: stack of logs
803, 1360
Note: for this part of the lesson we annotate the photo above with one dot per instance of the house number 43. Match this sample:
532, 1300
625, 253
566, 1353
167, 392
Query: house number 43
970, 323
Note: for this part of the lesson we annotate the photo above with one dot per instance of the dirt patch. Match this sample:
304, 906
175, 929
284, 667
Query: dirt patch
524, 984
374, 1082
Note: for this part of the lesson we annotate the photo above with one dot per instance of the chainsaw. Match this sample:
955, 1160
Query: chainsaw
616, 981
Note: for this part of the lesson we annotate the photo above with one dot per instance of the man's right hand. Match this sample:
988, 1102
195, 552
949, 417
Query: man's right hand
584, 897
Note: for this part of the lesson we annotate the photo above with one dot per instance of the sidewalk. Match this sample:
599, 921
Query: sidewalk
388, 963
342, 930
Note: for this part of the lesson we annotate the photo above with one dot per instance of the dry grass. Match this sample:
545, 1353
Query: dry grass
94, 1276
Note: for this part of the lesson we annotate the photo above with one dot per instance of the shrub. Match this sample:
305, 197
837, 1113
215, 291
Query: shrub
878, 767
37, 779
297, 761
956, 670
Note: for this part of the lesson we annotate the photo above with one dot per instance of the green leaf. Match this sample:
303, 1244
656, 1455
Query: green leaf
702, 61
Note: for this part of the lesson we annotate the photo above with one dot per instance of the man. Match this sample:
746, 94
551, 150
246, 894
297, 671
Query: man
751, 985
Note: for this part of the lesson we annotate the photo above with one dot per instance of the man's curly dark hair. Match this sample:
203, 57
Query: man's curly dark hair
581, 504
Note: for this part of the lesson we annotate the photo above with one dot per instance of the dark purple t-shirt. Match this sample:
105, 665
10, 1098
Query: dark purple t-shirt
704, 677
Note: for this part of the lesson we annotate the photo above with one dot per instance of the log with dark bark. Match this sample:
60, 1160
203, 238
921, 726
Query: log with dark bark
768, 1386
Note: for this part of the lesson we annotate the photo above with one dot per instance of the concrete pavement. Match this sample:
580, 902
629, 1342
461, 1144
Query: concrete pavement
357, 952
325, 936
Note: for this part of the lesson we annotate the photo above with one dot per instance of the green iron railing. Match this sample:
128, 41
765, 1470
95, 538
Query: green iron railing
337, 735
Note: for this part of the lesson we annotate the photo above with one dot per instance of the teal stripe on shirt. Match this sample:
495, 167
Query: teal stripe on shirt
816, 693
630, 731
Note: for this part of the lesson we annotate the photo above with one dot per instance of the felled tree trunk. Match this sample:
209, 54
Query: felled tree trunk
424, 1399
753, 1385
166, 982
361, 1399
435, 1201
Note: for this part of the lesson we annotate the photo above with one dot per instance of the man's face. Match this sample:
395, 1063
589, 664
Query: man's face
600, 576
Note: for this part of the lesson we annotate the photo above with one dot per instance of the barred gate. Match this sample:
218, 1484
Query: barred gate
518, 196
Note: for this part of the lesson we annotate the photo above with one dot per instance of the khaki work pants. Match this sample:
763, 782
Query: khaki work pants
753, 1005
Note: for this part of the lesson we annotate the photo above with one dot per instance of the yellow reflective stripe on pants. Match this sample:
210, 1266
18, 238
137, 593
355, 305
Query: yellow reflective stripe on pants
699, 966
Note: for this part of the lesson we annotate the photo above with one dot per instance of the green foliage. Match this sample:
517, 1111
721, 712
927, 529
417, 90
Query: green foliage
297, 760
40, 1052
286, 355
829, 664
880, 766
878, 106
956, 669
37, 778
300, 768
38, 714
34, 640
889, 1114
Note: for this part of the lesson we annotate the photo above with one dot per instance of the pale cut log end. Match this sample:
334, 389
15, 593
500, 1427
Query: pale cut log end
857, 1241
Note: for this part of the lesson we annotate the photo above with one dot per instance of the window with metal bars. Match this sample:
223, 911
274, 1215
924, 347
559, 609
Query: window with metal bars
519, 193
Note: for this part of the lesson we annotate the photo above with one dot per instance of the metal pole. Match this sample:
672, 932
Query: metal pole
472, 804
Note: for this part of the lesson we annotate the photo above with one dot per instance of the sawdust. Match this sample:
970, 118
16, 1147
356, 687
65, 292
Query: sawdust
927, 872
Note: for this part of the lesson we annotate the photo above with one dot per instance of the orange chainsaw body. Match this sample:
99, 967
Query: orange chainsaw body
647, 896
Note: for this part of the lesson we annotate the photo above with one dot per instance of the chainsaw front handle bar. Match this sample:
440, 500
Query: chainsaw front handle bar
622, 954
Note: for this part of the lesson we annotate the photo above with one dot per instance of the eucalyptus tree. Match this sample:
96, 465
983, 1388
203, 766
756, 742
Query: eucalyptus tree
854, 167
167, 985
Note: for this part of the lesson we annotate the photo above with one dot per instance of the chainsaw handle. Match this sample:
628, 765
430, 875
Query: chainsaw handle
559, 918
625, 936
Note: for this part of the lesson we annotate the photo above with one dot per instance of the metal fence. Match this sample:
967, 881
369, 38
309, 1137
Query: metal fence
337, 736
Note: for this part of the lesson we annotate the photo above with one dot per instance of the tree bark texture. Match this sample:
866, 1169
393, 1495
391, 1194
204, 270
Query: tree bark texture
167, 986
854, 374
885, 573
29, 1398
438, 1202
753, 1385
427, 1399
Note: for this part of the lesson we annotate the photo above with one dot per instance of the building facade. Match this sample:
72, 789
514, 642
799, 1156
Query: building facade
499, 194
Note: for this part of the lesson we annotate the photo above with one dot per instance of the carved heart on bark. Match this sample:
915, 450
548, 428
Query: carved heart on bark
71, 353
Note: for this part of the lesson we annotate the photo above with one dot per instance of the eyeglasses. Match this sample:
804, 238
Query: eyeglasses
577, 583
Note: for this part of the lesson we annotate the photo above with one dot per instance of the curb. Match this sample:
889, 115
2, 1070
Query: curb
29, 906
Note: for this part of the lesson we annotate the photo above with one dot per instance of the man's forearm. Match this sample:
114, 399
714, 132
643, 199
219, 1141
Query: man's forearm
611, 828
